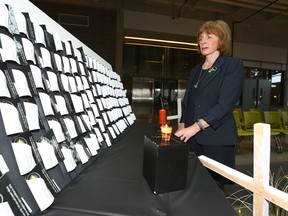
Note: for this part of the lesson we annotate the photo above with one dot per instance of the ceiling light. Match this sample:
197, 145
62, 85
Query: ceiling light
161, 41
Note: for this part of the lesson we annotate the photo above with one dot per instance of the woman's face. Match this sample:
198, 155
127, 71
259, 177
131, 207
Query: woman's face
208, 43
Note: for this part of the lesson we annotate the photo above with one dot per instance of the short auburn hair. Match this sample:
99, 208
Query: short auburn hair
221, 30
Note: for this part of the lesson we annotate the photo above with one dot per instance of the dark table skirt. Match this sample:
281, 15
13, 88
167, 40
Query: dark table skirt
114, 185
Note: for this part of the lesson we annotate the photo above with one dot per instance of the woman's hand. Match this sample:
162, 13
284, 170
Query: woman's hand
180, 126
186, 133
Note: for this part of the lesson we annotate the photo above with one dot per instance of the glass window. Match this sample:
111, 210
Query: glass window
158, 62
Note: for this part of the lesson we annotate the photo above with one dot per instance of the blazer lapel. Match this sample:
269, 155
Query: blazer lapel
213, 71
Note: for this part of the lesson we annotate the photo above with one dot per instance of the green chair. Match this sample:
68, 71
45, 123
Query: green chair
274, 119
260, 111
284, 115
240, 114
241, 132
253, 117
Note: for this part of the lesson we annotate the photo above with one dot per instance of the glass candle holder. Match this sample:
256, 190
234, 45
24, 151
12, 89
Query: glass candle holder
166, 132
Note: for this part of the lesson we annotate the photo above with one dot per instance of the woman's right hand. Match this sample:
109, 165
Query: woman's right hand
180, 126
186, 133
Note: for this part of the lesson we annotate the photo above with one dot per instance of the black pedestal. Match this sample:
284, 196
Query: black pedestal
165, 164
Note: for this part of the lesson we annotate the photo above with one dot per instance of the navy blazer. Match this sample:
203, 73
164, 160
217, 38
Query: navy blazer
215, 101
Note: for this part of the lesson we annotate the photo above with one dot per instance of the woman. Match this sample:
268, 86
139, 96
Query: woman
214, 87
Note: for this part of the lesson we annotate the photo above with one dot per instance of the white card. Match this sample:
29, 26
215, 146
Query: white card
95, 140
98, 134
101, 124
57, 129
8, 51
70, 127
21, 22
66, 64
69, 161
95, 110
53, 81
82, 70
79, 83
24, 156
11, 120
90, 96
92, 148
46, 57
32, 115
78, 55
121, 125
39, 34
116, 129
28, 50
4, 92
21, 83
94, 76
99, 90
58, 61
4, 16
111, 130
107, 139
40, 191
91, 117
104, 103
85, 82
68, 48
65, 82
73, 65
110, 116
46, 103
57, 41
90, 62
5, 208
105, 118
85, 100
99, 102
3, 166
99, 77
82, 154
77, 103
72, 84
86, 120
37, 76
47, 153
94, 91
82, 128
61, 105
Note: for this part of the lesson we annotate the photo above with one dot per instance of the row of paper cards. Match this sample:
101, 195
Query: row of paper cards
92, 78
33, 159
48, 85
88, 104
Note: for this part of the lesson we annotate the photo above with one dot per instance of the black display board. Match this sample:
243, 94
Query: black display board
55, 118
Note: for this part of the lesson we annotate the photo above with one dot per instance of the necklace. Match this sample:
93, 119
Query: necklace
201, 75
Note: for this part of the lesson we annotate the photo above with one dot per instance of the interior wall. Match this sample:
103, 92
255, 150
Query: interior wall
99, 35
160, 23
36, 17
